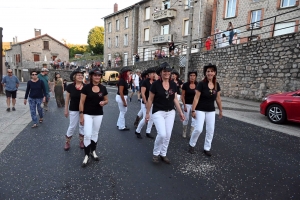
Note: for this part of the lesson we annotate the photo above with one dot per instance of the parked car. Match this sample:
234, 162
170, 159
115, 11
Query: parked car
110, 77
281, 107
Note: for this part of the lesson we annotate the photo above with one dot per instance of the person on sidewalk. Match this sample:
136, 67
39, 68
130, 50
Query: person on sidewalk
43, 76
164, 98
59, 90
10, 83
145, 88
178, 82
187, 97
203, 109
136, 78
230, 28
121, 97
72, 107
93, 98
37, 95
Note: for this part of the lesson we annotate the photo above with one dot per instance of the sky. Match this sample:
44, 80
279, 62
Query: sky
62, 19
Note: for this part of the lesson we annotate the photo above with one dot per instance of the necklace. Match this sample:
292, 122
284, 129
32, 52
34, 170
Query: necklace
78, 88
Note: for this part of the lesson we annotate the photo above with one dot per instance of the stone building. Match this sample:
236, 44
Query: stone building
34, 53
149, 25
120, 35
246, 16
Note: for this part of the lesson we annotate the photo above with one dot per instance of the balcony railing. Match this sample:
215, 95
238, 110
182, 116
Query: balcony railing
163, 15
161, 39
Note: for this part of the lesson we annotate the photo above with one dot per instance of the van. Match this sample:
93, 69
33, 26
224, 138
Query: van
110, 77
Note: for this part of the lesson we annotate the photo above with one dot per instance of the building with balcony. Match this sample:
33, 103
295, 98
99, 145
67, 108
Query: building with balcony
253, 19
34, 53
121, 36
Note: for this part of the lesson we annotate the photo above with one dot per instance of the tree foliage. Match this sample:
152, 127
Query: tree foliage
96, 39
77, 49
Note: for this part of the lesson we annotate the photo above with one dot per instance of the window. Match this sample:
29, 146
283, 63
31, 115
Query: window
147, 13
186, 27
146, 34
46, 45
230, 8
165, 29
108, 42
18, 58
165, 5
109, 27
187, 4
117, 41
117, 25
284, 28
36, 57
125, 59
255, 17
126, 22
287, 3
126, 40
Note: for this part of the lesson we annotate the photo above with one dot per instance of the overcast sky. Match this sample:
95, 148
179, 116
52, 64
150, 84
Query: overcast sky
61, 19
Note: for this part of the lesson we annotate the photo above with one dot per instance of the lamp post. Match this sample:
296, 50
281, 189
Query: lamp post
189, 40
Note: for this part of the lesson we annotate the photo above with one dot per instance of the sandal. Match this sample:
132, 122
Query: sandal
34, 126
41, 120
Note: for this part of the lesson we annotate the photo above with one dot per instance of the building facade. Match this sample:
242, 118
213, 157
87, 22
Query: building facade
254, 19
35, 52
151, 25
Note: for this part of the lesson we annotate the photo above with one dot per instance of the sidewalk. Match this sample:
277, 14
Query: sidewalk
13, 122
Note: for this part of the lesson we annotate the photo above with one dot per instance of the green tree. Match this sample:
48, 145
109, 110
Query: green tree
77, 49
96, 39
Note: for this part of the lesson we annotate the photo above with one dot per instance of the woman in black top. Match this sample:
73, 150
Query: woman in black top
145, 89
203, 109
178, 82
72, 107
163, 96
187, 97
37, 95
121, 97
93, 98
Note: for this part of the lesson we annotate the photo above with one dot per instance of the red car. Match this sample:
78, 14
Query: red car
281, 107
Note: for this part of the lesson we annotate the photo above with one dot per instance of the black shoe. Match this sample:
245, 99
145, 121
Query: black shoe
13, 109
8, 109
124, 129
207, 153
85, 161
165, 159
130, 99
191, 150
138, 135
148, 135
155, 159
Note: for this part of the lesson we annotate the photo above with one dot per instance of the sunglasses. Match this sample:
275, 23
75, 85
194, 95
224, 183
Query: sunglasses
167, 94
33, 74
9, 72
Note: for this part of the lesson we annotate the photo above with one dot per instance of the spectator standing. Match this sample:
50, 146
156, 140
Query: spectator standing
37, 94
218, 36
178, 82
230, 28
224, 40
171, 48
59, 90
43, 76
137, 57
10, 83
136, 78
208, 43
235, 38
203, 108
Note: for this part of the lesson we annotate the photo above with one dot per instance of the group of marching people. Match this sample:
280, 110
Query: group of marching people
160, 97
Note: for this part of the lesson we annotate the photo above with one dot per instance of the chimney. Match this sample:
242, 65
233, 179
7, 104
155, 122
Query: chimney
115, 7
37, 32
14, 42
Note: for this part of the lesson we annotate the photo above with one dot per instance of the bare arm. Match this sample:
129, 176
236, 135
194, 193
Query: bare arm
105, 101
195, 102
67, 104
176, 102
149, 102
182, 97
81, 108
219, 104
121, 91
143, 91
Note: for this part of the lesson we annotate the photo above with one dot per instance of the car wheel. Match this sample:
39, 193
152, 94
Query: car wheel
276, 114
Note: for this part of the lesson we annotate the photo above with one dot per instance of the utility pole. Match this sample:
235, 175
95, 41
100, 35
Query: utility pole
1, 61
189, 40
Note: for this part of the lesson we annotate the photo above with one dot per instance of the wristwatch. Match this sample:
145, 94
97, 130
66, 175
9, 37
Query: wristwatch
80, 112
193, 111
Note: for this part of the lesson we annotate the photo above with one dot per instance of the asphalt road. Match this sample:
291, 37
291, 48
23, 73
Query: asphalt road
248, 162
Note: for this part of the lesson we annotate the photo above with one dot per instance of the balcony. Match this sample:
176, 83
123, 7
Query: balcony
162, 39
164, 15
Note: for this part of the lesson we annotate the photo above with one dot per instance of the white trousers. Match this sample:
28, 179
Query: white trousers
143, 121
209, 118
74, 121
92, 125
187, 115
164, 122
123, 110
140, 113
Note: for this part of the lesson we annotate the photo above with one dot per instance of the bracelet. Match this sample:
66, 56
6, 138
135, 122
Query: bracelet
193, 111
80, 112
